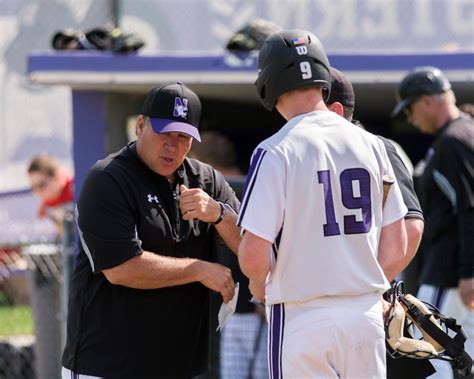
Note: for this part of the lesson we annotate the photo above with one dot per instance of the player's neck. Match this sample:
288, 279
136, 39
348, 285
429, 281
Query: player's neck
299, 102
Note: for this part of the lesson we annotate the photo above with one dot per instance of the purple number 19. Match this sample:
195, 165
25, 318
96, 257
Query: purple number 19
350, 200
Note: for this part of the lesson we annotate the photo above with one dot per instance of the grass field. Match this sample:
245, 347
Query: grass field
14, 319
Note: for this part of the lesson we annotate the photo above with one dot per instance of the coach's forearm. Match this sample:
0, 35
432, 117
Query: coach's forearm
151, 271
229, 231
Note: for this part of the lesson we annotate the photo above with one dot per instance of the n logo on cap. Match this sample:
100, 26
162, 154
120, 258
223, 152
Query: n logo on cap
180, 107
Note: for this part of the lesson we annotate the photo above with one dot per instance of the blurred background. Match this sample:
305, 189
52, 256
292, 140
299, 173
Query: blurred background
80, 105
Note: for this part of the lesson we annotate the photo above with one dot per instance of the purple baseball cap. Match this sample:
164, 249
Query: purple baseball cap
173, 108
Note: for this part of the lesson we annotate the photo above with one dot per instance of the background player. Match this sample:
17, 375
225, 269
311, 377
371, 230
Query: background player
447, 197
342, 102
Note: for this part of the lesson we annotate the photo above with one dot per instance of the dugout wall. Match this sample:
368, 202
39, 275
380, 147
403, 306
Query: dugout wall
109, 89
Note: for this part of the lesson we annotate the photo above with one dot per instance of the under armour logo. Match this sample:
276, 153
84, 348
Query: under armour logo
180, 107
152, 198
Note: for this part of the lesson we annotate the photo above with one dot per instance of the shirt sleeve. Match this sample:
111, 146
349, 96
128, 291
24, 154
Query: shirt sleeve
225, 193
405, 182
454, 177
394, 208
107, 229
263, 201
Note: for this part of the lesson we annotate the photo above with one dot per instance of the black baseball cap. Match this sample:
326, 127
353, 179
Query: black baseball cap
341, 89
173, 108
425, 80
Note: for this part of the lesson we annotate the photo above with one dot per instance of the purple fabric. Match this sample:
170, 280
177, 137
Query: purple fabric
250, 181
276, 340
163, 125
102, 61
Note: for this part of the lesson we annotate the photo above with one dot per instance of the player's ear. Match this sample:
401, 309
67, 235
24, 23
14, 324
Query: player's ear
337, 108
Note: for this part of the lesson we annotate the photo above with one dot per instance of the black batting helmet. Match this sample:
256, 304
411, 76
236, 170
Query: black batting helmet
424, 80
290, 60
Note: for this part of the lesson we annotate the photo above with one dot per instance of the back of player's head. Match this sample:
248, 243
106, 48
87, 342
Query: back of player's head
290, 60
342, 90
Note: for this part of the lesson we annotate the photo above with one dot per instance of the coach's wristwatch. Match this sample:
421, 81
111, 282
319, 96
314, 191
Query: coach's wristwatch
223, 212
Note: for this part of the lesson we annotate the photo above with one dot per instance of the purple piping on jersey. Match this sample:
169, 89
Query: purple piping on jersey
250, 181
439, 297
275, 342
276, 244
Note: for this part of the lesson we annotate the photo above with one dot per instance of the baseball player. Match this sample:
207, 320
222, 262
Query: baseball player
342, 102
447, 197
318, 246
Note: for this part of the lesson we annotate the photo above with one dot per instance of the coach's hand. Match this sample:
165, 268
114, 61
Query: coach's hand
197, 204
218, 278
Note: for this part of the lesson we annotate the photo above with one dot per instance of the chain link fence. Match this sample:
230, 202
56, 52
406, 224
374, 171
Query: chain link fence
33, 307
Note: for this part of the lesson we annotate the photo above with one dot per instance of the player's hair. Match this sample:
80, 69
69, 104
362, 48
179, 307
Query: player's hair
348, 112
447, 96
44, 163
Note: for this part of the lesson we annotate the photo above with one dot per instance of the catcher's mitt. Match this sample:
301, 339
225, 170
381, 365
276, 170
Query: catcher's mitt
407, 313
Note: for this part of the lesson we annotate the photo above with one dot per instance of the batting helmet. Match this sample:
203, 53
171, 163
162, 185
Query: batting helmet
425, 80
290, 60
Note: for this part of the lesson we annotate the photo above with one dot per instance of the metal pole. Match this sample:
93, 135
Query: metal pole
115, 7
67, 258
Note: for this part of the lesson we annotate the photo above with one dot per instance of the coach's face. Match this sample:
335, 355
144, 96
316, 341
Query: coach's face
422, 114
164, 153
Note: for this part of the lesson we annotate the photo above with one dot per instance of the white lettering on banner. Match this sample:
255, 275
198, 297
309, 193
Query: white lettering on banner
299, 14
230, 17
402, 21
422, 14
301, 50
380, 19
460, 17
335, 19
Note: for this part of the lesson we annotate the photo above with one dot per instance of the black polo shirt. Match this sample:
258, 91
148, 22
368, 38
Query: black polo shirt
114, 331
404, 180
447, 199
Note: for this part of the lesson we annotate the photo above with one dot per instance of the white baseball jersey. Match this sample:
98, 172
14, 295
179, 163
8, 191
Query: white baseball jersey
314, 190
